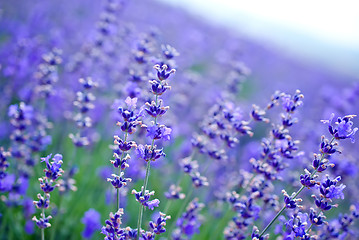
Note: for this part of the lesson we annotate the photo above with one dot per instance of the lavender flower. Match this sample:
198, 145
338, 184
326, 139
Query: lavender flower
188, 224
158, 226
297, 224
330, 190
47, 184
91, 219
47, 73
84, 103
3, 164
118, 181
174, 192
112, 229
342, 128
143, 197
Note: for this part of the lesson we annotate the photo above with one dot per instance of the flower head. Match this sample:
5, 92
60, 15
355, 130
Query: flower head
149, 153
158, 226
162, 71
159, 132
53, 170
42, 222
143, 197
330, 189
342, 128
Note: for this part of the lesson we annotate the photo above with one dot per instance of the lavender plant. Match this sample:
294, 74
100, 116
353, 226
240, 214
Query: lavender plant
48, 183
342, 129
217, 170
156, 131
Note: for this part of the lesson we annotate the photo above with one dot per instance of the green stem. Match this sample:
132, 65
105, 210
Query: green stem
273, 220
140, 213
311, 225
168, 204
42, 229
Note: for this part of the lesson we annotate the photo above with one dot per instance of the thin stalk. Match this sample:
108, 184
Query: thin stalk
168, 204
42, 229
140, 213
299, 191
273, 220
311, 225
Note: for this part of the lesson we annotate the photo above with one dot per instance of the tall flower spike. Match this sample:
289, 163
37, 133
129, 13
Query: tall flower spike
91, 219
84, 103
47, 184
189, 223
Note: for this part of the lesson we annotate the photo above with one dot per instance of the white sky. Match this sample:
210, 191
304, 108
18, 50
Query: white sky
333, 20
304, 24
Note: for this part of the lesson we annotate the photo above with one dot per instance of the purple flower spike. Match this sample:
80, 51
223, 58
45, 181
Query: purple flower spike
113, 224
42, 202
329, 188
156, 110
189, 223
7, 182
92, 223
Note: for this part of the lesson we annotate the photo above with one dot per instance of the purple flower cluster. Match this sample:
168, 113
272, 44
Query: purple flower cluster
113, 230
343, 127
84, 103
5, 178
92, 220
237, 156
48, 183
329, 189
189, 223
279, 147
47, 72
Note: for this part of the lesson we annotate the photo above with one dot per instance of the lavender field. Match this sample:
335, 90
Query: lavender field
130, 119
